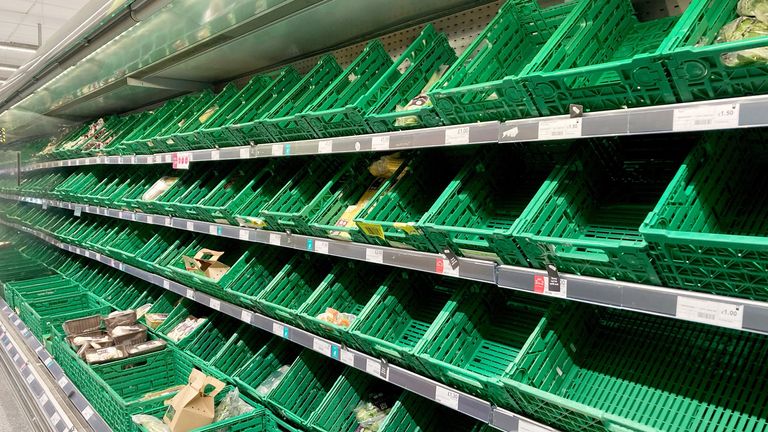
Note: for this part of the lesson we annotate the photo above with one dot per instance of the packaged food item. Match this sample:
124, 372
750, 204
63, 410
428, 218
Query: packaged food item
753, 8
99, 341
146, 347
193, 406
207, 114
129, 335
154, 320
80, 326
206, 262
371, 414
231, 406
104, 355
272, 380
143, 309
151, 424
161, 393
386, 166
337, 318
159, 188
422, 100
739, 29
184, 328
120, 318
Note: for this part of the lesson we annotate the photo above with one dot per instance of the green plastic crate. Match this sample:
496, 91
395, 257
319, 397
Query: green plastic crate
163, 302
115, 146
157, 141
137, 142
186, 138
180, 312
16, 292
244, 127
127, 244
244, 344
477, 338
163, 249
606, 370
393, 325
263, 264
41, 314
270, 358
132, 200
602, 57
257, 420
415, 413
336, 413
189, 183
476, 214
294, 284
262, 191
341, 108
347, 288
707, 232
300, 393
207, 343
284, 122
428, 56
477, 87
586, 216
320, 181
695, 60
391, 216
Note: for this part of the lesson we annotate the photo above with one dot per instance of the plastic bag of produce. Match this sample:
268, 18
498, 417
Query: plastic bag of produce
753, 8
231, 406
151, 424
740, 29
371, 414
272, 380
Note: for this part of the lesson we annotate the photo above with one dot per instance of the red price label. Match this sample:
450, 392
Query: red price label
539, 282
180, 160
439, 265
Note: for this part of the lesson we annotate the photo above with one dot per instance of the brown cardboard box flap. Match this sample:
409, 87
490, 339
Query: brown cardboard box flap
192, 407
207, 262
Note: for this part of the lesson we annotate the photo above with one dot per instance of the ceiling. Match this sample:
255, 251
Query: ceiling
19, 20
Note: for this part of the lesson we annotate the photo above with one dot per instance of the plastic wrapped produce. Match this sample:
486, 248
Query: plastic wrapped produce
231, 406
753, 8
272, 381
151, 424
184, 328
739, 29
371, 414
335, 317
159, 188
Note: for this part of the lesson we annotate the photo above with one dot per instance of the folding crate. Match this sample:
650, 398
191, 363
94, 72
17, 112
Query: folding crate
475, 213
41, 314
392, 325
261, 266
18, 292
243, 127
207, 343
478, 87
341, 108
256, 420
245, 343
180, 312
262, 191
415, 413
392, 215
162, 250
266, 362
347, 288
157, 141
214, 133
707, 232
128, 243
336, 412
294, 284
602, 57
605, 369
477, 338
300, 393
185, 137
703, 68
423, 61
136, 142
585, 217
322, 180
284, 122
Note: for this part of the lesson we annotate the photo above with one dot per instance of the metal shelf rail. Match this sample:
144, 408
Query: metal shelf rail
55, 416
742, 112
434, 391
722, 311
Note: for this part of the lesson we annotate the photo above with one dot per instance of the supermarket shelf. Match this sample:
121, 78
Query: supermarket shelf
721, 311
744, 112
457, 400
56, 416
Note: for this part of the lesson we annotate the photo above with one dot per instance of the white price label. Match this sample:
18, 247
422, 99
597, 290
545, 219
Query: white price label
150, 220
78, 211
55, 419
321, 247
166, 284
528, 426
443, 267
374, 255
243, 235
246, 316
190, 226
447, 397
87, 412
710, 312
168, 158
168, 222
277, 329
30, 378
458, 135
43, 399
325, 146
277, 149
215, 304
158, 158
560, 129
215, 155
274, 239
347, 357
722, 116
16, 357
121, 215
62, 382
381, 143
121, 267
245, 153
321, 346
190, 294
181, 160
373, 367
213, 230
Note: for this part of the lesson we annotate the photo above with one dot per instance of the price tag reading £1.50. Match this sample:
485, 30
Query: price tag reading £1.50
707, 117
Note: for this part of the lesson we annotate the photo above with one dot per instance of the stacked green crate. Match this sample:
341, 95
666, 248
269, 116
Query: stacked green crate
478, 336
284, 122
124, 182
267, 187
480, 85
115, 145
243, 127
245, 343
41, 314
708, 231
191, 187
423, 62
391, 216
80, 182
261, 372
415, 413
136, 142
126, 244
207, 343
476, 213
140, 183
152, 256
321, 181
586, 216
185, 138
341, 108
101, 239
263, 264
17, 292
162, 185
158, 141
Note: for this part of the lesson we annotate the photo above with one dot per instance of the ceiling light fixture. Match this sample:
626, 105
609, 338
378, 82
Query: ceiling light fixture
18, 46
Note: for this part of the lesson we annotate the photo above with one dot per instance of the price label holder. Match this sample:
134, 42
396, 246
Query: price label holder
379, 143
710, 312
325, 146
181, 160
707, 117
274, 239
374, 255
560, 128
321, 346
246, 316
447, 397
457, 136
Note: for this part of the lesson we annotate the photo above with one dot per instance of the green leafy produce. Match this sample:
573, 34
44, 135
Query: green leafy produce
753, 8
739, 29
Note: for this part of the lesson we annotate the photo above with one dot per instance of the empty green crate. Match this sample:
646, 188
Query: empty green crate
244, 344
185, 138
31, 289
320, 181
423, 61
294, 284
189, 182
127, 244
180, 312
163, 250
476, 214
284, 122
586, 216
394, 323
262, 191
41, 314
341, 108
415, 413
390, 217
347, 288
707, 232
695, 59
606, 370
137, 141
262, 265
256, 420
275, 354
480, 86
477, 338
158, 141
132, 198
602, 57
208, 342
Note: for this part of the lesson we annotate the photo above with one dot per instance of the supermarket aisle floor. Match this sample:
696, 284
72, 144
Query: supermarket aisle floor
12, 415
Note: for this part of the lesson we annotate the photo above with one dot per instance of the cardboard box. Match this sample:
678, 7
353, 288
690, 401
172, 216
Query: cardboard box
193, 405
206, 262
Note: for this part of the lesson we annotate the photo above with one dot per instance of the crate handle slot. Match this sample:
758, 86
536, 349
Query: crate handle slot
388, 351
464, 379
584, 255
133, 365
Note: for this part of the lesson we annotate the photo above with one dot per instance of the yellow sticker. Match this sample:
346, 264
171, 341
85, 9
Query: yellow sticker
373, 230
409, 228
